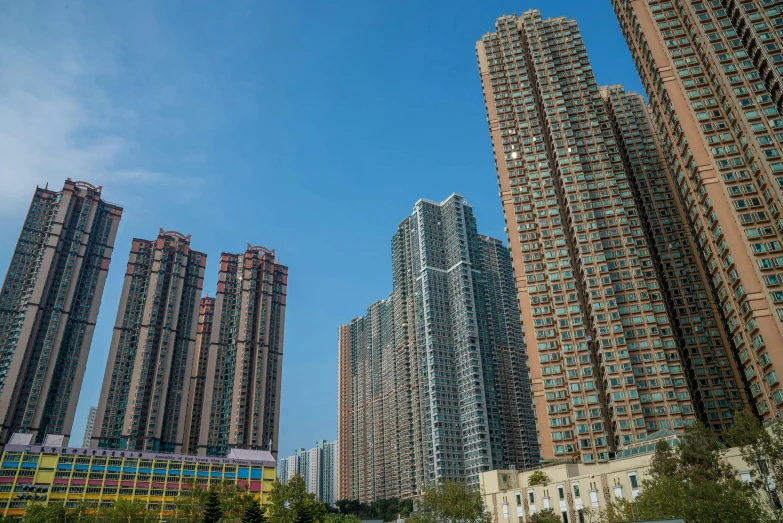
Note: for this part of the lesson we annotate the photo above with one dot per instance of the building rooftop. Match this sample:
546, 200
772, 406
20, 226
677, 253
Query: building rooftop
21, 443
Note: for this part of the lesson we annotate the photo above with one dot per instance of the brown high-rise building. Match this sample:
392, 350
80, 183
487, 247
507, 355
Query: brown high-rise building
148, 374
198, 376
711, 368
48, 307
241, 397
343, 488
623, 337
712, 71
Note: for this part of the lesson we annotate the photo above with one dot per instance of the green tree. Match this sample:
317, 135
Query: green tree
212, 511
38, 512
762, 449
546, 516
189, 507
123, 511
253, 513
303, 515
451, 502
234, 500
287, 501
341, 518
692, 482
538, 477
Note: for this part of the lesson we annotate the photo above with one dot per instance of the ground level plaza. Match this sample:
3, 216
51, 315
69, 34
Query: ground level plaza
98, 477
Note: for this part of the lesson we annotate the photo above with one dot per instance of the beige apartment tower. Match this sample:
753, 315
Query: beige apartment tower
240, 401
198, 375
713, 73
148, 374
617, 351
48, 307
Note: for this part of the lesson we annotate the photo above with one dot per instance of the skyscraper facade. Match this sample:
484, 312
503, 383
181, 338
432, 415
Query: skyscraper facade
89, 426
49, 305
328, 471
198, 378
145, 390
712, 71
426, 365
241, 398
613, 356
343, 488
710, 366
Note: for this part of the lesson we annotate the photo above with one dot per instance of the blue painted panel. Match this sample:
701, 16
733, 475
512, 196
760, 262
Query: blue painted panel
255, 474
203, 473
128, 470
81, 467
114, 469
145, 470
187, 473
243, 471
231, 475
10, 464
29, 465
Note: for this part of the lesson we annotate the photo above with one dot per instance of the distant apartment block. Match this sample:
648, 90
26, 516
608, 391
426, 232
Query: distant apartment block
89, 426
316, 466
145, 390
244, 357
48, 307
618, 309
713, 75
430, 378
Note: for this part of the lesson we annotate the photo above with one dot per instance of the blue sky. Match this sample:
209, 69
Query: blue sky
308, 127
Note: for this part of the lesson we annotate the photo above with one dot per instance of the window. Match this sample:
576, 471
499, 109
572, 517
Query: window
633, 480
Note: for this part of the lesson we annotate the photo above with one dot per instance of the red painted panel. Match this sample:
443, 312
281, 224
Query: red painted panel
11, 480
112, 483
78, 482
255, 486
126, 484
143, 484
157, 485
94, 482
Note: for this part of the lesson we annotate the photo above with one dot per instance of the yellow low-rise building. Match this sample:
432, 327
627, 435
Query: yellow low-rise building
99, 477
572, 487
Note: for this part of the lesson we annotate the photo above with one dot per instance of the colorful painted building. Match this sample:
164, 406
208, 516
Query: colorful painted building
98, 477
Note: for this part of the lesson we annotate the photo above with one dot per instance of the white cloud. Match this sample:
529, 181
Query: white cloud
56, 121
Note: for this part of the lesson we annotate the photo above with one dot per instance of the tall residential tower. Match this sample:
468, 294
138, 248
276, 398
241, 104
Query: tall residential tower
713, 72
145, 390
434, 379
623, 336
48, 307
241, 396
